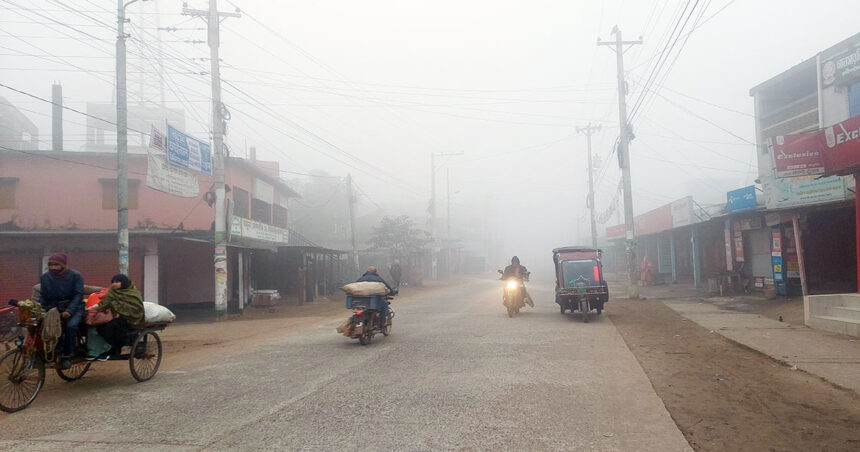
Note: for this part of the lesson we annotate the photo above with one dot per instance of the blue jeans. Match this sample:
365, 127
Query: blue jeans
383, 313
70, 333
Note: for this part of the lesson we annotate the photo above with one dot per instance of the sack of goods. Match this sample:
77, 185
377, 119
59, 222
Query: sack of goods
154, 313
365, 289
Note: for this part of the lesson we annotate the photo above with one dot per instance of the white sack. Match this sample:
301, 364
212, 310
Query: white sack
365, 289
154, 313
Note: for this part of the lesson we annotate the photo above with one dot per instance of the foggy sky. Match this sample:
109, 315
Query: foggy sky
389, 82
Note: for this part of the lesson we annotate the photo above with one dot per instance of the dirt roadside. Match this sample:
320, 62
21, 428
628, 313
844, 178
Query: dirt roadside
724, 396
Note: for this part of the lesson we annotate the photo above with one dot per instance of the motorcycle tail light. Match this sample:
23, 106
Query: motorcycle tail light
359, 312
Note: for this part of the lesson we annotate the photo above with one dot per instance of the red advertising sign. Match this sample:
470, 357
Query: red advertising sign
828, 151
841, 145
797, 155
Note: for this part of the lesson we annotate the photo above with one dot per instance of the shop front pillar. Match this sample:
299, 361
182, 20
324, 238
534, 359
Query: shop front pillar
672, 256
857, 224
697, 267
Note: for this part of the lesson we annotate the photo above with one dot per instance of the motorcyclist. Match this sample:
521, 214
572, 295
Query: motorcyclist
371, 275
515, 270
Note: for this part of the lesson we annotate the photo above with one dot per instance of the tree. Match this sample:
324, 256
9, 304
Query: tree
399, 236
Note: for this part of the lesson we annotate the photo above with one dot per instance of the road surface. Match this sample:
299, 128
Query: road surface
456, 373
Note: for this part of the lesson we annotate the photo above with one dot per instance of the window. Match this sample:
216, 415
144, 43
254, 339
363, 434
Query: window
7, 192
109, 193
854, 100
279, 216
261, 211
240, 203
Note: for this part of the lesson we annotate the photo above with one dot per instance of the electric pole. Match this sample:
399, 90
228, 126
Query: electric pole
351, 200
433, 236
213, 20
624, 158
121, 138
588, 131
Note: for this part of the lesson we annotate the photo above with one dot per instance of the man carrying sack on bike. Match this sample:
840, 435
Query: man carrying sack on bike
63, 288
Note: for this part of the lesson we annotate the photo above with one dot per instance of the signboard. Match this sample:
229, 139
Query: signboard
776, 244
841, 146
682, 212
777, 269
157, 140
843, 66
739, 242
780, 193
797, 155
758, 282
250, 229
741, 200
165, 177
748, 224
188, 152
728, 240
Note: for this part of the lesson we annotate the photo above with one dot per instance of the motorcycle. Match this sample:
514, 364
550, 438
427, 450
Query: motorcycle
514, 293
365, 320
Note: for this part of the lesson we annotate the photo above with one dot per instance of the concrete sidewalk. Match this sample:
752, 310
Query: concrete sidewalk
833, 357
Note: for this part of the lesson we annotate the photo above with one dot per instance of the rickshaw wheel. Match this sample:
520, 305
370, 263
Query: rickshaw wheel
145, 356
75, 372
19, 383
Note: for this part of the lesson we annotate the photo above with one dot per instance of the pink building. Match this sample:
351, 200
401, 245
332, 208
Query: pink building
66, 201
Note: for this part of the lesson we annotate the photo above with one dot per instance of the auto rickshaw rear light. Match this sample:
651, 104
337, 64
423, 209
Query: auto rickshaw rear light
596, 274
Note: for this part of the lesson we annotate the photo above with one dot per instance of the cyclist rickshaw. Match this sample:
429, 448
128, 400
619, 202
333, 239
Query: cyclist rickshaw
22, 368
579, 283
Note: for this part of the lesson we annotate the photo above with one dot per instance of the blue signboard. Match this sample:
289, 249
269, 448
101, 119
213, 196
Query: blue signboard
741, 199
188, 152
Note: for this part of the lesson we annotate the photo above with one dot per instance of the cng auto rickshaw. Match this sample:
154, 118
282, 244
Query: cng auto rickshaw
579, 283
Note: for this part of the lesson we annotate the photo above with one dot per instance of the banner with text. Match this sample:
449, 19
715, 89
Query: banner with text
188, 152
165, 177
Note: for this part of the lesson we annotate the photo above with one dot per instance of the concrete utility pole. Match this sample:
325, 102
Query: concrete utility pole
213, 20
624, 158
588, 131
433, 236
351, 200
121, 138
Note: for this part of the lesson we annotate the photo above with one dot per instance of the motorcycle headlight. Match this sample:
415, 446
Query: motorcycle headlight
512, 284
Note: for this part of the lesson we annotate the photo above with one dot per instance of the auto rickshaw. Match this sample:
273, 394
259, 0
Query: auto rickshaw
579, 283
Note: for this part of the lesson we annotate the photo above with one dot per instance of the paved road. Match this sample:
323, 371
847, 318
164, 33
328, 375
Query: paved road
455, 373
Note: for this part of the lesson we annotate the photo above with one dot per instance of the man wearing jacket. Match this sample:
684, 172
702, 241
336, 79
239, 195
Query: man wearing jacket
372, 276
63, 288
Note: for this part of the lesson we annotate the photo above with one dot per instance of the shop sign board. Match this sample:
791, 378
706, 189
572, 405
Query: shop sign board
728, 239
840, 67
741, 200
739, 242
797, 191
798, 154
777, 268
250, 229
748, 224
682, 212
776, 246
188, 152
759, 282
841, 146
